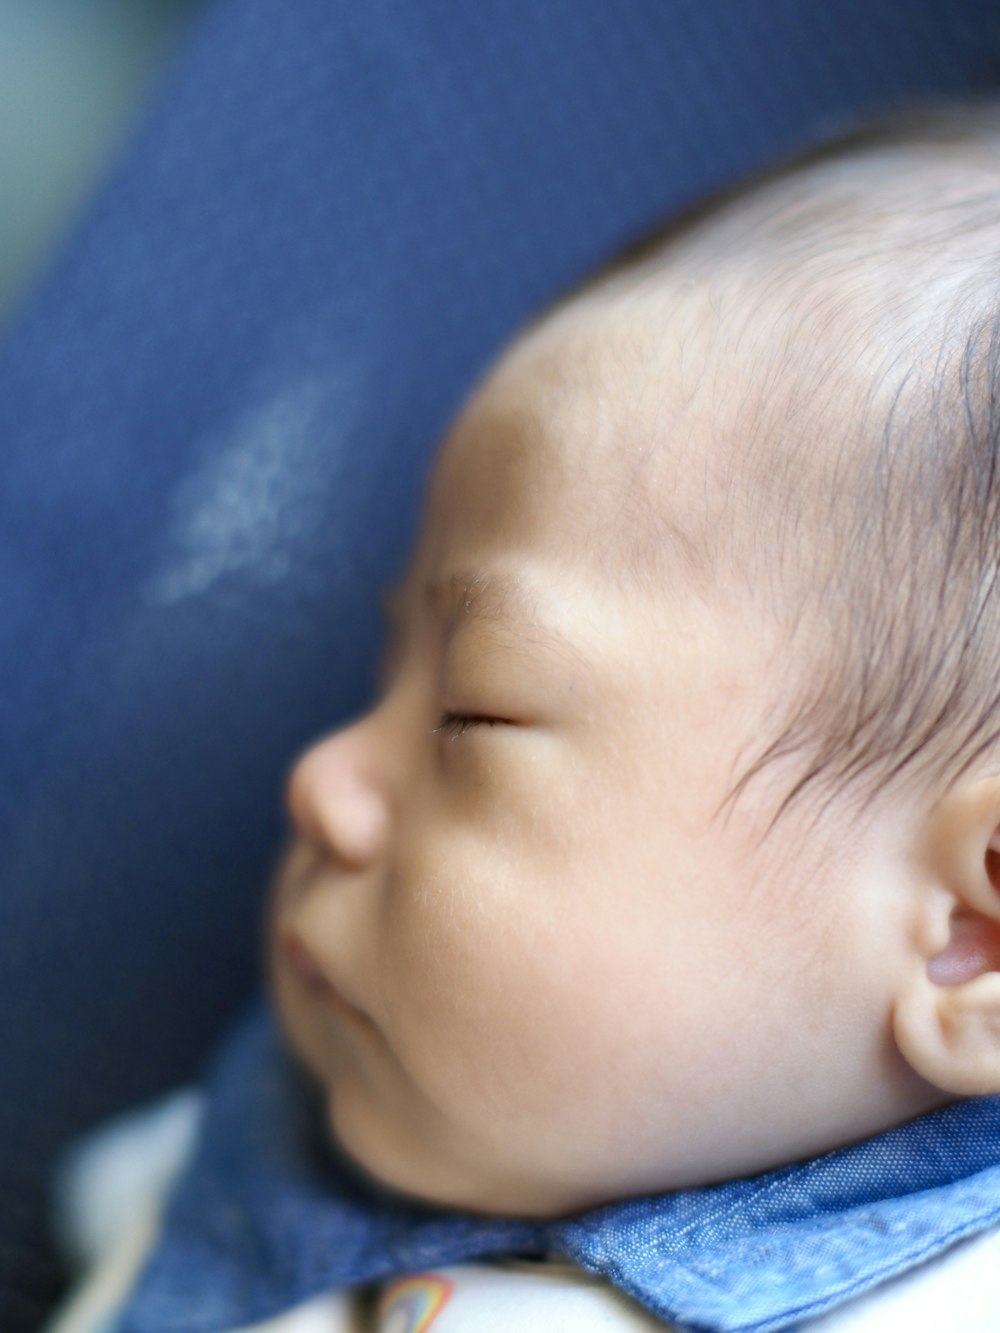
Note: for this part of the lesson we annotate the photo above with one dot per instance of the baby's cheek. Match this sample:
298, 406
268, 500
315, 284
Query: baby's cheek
493, 1021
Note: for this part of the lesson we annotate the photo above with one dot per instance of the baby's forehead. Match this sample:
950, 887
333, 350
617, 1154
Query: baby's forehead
796, 308
665, 380
752, 355
595, 431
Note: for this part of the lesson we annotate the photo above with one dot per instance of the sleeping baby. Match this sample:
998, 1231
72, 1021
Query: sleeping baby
636, 958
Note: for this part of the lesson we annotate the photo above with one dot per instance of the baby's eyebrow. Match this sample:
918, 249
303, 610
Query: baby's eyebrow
502, 598
502, 601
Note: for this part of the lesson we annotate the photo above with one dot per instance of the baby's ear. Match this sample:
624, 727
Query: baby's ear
946, 1020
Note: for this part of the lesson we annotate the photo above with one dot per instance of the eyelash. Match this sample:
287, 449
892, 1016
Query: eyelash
454, 725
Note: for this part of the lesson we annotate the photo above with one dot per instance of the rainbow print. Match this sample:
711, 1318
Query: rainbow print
411, 1304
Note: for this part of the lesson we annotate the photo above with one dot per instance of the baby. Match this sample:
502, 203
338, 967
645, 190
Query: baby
670, 853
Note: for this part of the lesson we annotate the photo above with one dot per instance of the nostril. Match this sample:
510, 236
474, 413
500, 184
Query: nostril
993, 863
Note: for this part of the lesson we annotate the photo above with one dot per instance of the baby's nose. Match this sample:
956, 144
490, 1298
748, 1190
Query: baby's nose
334, 797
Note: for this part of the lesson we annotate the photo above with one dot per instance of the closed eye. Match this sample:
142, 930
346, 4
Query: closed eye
454, 725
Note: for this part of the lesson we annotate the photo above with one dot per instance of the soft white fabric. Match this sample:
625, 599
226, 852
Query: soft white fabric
118, 1170
110, 1195
108, 1198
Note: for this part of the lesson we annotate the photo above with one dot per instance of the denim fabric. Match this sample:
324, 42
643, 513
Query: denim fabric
266, 1216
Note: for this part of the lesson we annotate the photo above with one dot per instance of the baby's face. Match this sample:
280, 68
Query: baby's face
532, 961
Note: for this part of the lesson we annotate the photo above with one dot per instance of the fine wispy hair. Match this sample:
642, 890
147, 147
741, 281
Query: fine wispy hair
892, 559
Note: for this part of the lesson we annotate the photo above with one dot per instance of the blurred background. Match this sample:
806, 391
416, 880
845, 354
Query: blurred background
74, 77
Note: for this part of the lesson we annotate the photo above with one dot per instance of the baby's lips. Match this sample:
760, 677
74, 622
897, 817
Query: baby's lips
303, 964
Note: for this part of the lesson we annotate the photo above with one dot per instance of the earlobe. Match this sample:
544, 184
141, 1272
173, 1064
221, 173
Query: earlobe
950, 1035
946, 1020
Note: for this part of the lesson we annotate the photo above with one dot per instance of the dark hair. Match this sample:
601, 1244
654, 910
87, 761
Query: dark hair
903, 675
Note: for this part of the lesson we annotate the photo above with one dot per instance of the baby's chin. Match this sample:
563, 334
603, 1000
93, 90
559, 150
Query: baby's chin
433, 1175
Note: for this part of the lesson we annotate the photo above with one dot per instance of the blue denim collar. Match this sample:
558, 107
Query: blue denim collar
266, 1216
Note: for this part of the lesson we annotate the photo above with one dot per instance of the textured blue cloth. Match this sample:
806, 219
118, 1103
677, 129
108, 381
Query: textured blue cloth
266, 1216
215, 417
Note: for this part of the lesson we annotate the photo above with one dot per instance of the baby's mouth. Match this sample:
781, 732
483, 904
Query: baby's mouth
299, 961
303, 965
